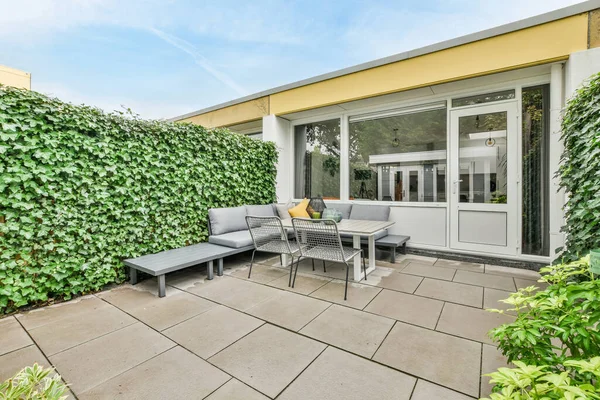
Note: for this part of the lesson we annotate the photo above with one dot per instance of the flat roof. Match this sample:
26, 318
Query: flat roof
461, 40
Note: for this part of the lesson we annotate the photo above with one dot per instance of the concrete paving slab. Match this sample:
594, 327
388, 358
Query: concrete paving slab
52, 314
470, 323
429, 271
492, 297
352, 330
409, 308
212, 331
447, 360
268, 359
176, 373
451, 291
101, 359
388, 278
13, 336
512, 272
13, 362
358, 295
72, 330
236, 390
260, 273
159, 313
523, 283
492, 359
338, 375
234, 292
487, 280
289, 310
430, 391
305, 283
460, 265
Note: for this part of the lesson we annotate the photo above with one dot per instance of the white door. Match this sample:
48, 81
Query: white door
484, 178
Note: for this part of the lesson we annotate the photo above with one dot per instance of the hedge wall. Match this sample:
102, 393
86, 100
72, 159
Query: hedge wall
81, 189
580, 170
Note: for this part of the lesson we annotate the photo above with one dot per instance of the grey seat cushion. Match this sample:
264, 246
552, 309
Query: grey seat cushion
225, 220
267, 210
378, 235
370, 212
236, 239
344, 208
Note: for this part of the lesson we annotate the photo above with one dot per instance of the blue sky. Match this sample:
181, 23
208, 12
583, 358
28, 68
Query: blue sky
168, 57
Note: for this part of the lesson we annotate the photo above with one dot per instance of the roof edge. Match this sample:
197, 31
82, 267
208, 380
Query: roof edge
540, 19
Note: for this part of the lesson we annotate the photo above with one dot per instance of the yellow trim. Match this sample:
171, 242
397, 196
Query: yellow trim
540, 44
531, 46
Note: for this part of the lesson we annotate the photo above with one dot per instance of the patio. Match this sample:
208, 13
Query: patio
414, 330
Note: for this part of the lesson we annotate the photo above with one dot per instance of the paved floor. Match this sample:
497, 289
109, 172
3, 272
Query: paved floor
414, 330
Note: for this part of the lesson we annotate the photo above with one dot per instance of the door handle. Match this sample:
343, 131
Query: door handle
454, 185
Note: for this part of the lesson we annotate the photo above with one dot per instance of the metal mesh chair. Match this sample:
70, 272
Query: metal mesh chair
269, 236
320, 239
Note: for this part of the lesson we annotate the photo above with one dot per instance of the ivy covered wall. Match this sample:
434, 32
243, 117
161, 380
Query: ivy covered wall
81, 189
580, 170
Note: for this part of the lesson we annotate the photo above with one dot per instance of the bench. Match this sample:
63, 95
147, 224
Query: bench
167, 261
390, 241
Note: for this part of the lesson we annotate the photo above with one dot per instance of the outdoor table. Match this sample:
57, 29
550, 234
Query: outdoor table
356, 228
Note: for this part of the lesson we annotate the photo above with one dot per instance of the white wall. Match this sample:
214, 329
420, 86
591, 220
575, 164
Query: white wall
278, 130
579, 68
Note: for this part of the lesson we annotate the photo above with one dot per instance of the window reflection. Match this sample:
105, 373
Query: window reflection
400, 157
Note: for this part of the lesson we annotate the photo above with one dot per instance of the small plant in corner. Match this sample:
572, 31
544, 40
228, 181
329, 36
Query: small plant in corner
33, 383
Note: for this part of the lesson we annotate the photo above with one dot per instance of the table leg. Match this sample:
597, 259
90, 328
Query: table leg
209, 270
371, 264
161, 286
284, 260
357, 261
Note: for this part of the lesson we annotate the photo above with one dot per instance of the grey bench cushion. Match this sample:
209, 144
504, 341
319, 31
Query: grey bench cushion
236, 239
267, 210
225, 220
344, 208
370, 212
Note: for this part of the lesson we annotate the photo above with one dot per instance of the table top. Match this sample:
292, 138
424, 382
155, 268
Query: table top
353, 226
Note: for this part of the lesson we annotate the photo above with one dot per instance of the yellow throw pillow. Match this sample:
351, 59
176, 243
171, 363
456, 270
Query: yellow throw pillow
300, 210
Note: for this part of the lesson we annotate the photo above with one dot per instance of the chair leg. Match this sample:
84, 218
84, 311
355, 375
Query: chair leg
324, 269
296, 271
346, 288
313, 263
281, 260
251, 262
291, 270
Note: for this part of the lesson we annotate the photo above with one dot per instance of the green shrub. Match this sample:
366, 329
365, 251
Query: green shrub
80, 190
579, 171
33, 383
579, 380
554, 341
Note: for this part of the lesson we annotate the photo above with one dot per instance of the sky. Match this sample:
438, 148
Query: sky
164, 58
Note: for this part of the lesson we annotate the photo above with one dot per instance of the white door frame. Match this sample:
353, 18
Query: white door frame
512, 205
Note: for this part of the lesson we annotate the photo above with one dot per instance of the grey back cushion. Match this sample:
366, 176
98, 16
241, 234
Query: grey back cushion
344, 208
224, 220
267, 210
371, 212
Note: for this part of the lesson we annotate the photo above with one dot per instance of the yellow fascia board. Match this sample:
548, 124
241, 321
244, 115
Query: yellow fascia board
536, 45
14, 77
236, 114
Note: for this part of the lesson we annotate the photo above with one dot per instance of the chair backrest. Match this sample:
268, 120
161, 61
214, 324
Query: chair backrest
265, 230
321, 233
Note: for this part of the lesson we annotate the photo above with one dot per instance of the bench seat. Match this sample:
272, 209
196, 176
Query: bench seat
167, 261
390, 241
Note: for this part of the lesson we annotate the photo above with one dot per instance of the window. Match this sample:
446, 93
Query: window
535, 231
317, 159
399, 157
483, 98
